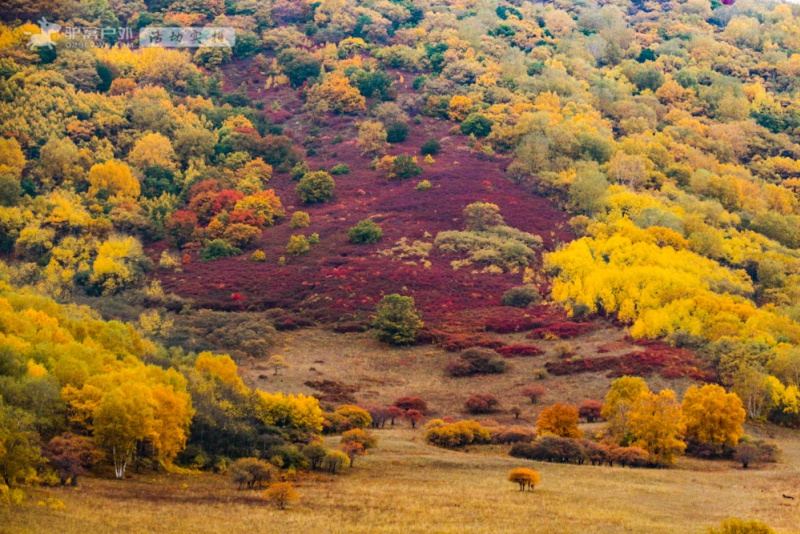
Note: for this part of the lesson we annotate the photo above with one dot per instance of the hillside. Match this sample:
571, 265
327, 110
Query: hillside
400, 265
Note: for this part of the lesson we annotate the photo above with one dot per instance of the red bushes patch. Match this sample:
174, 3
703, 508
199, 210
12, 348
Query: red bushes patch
520, 350
668, 361
562, 330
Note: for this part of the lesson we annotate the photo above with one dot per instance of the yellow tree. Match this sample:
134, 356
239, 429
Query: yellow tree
654, 424
123, 417
12, 160
621, 396
559, 420
335, 94
112, 179
222, 367
153, 150
371, 138
526, 478
298, 412
710, 416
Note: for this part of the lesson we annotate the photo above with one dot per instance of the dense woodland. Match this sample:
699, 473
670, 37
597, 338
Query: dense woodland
665, 136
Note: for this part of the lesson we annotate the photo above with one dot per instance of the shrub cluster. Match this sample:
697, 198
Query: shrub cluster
482, 403
366, 231
454, 435
476, 361
566, 450
521, 297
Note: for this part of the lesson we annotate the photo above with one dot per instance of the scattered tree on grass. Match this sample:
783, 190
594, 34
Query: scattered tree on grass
476, 361
621, 396
352, 449
559, 420
410, 403
315, 453
526, 478
590, 410
251, 473
371, 138
414, 417
335, 461
277, 362
280, 494
534, 393
482, 403
397, 322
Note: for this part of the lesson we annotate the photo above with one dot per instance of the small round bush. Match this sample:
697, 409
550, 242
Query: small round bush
430, 147
316, 187
313, 239
258, 256
521, 297
411, 403
297, 245
482, 403
405, 167
218, 248
397, 132
476, 361
365, 231
300, 219
424, 185
477, 125
341, 168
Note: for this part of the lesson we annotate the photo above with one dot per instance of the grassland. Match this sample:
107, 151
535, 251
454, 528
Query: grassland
406, 486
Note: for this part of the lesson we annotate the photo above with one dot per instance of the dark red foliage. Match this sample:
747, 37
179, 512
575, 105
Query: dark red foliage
562, 330
590, 410
414, 417
180, 226
660, 358
291, 322
338, 281
520, 350
245, 217
510, 326
411, 403
482, 403
204, 187
534, 393
333, 391
226, 200
350, 327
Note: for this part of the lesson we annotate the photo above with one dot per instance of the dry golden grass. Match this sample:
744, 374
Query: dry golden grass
406, 486
384, 373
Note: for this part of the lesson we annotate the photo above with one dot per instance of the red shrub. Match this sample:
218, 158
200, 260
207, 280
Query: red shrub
180, 226
481, 403
411, 403
510, 326
562, 330
534, 393
414, 417
520, 350
226, 200
590, 410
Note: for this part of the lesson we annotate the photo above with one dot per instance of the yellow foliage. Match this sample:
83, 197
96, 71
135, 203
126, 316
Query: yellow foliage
299, 412
460, 107
223, 367
711, 416
112, 179
654, 423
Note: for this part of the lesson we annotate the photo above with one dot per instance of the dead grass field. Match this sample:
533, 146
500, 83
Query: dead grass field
406, 486
384, 373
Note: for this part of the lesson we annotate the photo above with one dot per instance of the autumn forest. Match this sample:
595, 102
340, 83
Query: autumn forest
400, 266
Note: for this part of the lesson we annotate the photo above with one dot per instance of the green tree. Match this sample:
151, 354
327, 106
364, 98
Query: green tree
316, 187
397, 321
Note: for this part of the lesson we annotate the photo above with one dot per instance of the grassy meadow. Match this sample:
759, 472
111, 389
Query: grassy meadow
406, 486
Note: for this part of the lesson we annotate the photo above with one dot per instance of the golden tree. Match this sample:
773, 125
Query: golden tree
281, 494
710, 416
112, 179
654, 423
526, 478
559, 420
